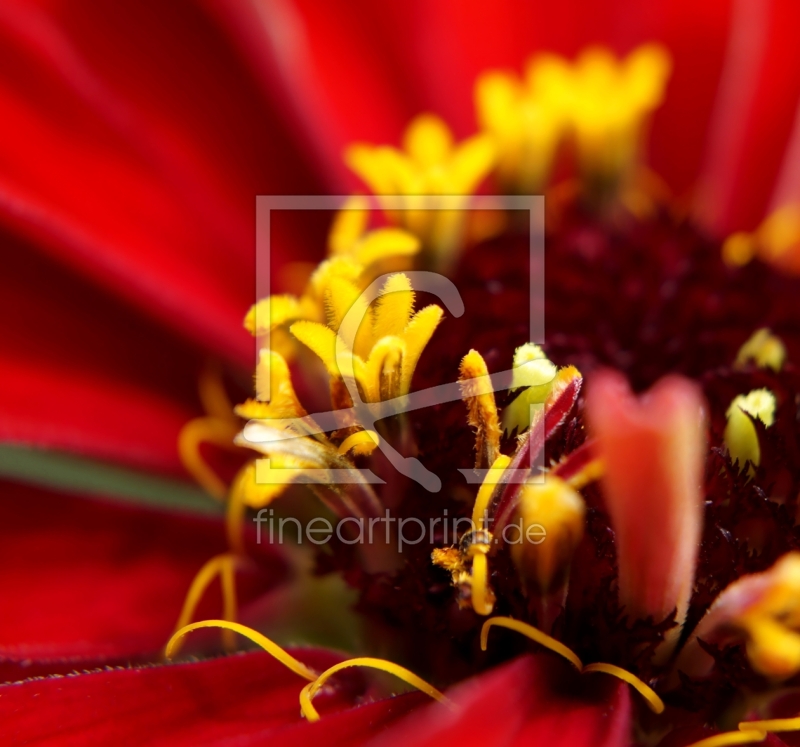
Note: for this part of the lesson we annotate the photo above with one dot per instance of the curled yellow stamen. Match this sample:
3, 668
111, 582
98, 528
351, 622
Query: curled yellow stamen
487, 488
224, 566
653, 701
772, 724
534, 634
731, 737
269, 646
310, 690
211, 430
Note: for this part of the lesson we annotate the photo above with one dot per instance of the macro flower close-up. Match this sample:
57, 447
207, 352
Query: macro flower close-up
400, 373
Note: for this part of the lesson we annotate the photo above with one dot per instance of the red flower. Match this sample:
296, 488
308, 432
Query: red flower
135, 139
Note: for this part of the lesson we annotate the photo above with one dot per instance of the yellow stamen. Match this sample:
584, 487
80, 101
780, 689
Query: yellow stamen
349, 225
605, 101
653, 701
534, 634
529, 631
478, 395
310, 690
416, 336
382, 355
731, 737
526, 130
224, 566
272, 312
431, 164
486, 490
210, 430
269, 646
482, 596
773, 724
764, 349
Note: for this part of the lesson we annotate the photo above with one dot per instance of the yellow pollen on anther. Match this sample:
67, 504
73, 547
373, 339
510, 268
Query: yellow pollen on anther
529, 631
478, 395
309, 691
261, 640
773, 724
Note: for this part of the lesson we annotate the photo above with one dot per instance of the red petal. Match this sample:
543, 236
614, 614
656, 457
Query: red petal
134, 146
80, 371
249, 697
88, 579
754, 116
532, 700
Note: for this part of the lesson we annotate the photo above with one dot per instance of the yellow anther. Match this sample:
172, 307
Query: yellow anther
773, 724
486, 490
362, 443
384, 243
551, 526
764, 349
477, 393
394, 307
383, 354
730, 738
431, 164
309, 691
605, 101
223, 566
740, 435
526, 129
653, 701
349, 225
272, 312
261, 640
210, 430
534, 634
